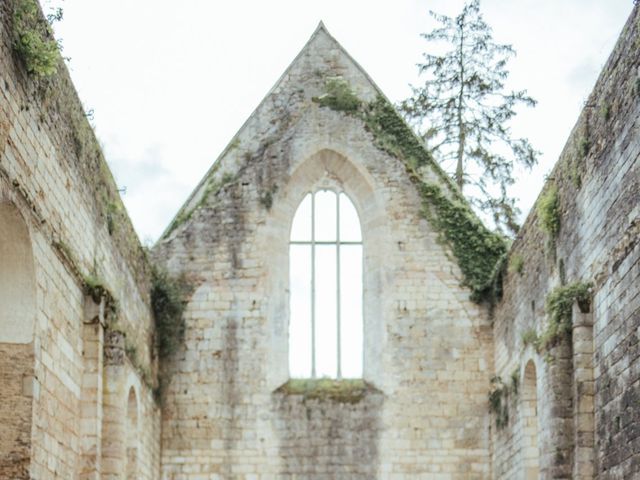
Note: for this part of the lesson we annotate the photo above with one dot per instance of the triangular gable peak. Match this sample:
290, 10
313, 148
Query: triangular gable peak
323, 74
322, 56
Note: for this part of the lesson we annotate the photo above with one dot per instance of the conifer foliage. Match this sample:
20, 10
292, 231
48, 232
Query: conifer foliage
463, 111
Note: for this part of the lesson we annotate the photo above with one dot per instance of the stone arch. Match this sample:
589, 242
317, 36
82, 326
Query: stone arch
17, 278
530, 429
17, 324
327, 169
132, 435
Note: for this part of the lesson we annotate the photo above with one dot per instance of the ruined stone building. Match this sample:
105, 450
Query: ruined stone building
472, 361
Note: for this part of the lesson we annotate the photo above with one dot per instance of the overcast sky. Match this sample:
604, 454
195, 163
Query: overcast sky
171, 82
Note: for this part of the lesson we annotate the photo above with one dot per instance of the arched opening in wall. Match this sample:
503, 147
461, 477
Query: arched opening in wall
17, 320
325, 263
132, 434
17, 279
330, 172
530, 448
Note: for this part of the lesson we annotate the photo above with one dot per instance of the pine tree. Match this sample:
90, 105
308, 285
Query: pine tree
463, 112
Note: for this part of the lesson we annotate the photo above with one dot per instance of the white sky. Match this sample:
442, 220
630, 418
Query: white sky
171, 82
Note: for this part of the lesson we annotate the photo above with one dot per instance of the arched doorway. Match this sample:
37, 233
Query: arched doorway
132, 435
17, 279
530, 448
17, 320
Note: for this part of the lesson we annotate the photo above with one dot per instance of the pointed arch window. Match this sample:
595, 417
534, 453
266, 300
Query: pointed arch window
325, 272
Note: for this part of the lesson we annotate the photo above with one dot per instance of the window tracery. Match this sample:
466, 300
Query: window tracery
325, 266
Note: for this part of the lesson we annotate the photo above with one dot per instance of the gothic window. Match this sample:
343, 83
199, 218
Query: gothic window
325, 271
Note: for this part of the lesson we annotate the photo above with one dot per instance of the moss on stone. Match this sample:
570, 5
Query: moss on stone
168, 301
605, 110
516, 264
476, 248
266, 197
339, 391
338, 96
559, 305
548, 209
212, 188
584, 146
95, 288
501, 395
529, 337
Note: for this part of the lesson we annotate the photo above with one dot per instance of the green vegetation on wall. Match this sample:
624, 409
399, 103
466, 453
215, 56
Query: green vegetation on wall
212, 188
516, 264
530, 337
549, 211
500, 396
338, 96
266, 197
33, 39
559, 306
339, 391
605, 111
476, 247
168, 304
96, 289
131, 351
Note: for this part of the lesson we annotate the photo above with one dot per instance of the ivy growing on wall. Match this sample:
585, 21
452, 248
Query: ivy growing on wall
476, 247
33, 39
549, 211
559, 307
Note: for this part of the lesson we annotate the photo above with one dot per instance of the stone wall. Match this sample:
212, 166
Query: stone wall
55, 183
426, 347
15, 413
588, 381
77, 350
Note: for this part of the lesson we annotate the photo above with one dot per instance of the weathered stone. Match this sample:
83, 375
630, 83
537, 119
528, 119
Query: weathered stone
77, 376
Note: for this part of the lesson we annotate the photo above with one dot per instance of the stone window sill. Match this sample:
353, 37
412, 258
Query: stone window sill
327, 389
